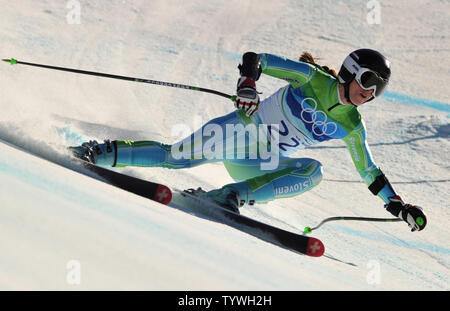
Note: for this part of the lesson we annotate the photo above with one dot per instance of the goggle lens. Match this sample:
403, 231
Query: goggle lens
370, 80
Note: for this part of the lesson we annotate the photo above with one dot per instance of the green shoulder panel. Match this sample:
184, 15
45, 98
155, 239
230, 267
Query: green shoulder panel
324, 88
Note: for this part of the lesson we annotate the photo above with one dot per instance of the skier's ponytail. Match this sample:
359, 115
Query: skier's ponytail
307, 57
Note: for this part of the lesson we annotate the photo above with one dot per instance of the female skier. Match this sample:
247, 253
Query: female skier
316, 105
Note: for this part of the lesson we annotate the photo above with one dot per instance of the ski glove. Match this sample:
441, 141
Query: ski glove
412, 214
247, 97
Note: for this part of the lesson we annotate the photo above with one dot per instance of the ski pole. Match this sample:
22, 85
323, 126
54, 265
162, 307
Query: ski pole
309, 229
13, 61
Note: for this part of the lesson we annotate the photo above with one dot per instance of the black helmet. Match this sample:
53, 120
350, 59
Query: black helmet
369, 68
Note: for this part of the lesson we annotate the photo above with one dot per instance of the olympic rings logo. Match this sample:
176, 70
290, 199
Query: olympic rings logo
318, 119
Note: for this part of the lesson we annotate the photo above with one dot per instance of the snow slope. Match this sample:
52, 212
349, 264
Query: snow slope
50, 215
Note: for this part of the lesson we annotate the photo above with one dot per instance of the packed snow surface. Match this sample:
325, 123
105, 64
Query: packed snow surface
61, 230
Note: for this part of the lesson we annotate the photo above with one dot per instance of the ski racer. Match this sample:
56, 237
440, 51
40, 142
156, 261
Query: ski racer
315, 106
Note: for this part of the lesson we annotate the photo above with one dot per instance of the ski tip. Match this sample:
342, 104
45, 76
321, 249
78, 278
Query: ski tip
315, 248
163, 195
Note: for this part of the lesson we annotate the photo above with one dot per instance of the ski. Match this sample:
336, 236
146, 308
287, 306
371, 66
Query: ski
147, 189
292, 241
160, 193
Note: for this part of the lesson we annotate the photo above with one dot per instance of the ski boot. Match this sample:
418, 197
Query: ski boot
95, 153
226, 197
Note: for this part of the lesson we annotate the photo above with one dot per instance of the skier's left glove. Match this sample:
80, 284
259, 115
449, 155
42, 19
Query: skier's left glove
413, 215
247, 97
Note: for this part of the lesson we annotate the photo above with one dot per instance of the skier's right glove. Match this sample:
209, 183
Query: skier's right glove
413, 215
247, 97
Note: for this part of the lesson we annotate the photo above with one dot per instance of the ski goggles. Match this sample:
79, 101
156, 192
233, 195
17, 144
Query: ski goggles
370, 80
